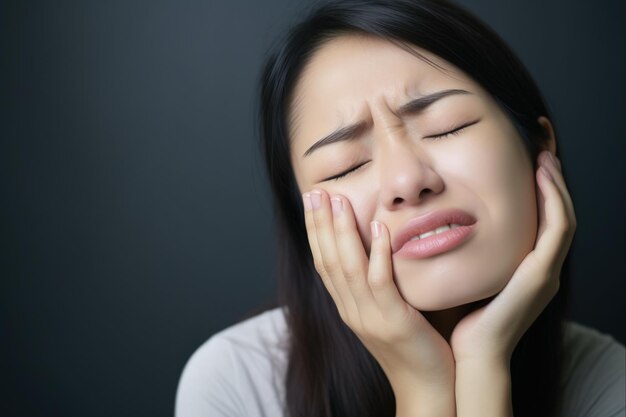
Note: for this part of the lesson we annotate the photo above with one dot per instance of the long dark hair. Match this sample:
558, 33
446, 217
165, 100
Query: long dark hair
330, 373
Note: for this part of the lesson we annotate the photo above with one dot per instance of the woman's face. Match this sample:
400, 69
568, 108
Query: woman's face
483, 170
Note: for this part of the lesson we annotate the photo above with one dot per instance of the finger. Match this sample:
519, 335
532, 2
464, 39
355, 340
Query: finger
315, 251
541, 206
535, 281
537, 270
352, 256
552, 164
554, 242
380, 275
331, 263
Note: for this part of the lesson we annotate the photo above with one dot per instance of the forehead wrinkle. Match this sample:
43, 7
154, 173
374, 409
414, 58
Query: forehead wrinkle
294, 117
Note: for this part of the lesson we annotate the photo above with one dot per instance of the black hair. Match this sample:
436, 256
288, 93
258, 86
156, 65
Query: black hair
330, 373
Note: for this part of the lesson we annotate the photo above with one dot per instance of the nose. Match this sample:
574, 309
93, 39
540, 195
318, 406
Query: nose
407, 174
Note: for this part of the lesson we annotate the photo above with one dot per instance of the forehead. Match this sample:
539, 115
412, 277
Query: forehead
350, 73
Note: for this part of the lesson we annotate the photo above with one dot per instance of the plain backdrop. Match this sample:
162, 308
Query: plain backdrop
135, 216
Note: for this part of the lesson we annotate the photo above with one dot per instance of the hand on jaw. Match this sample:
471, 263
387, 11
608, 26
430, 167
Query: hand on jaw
428, 375
484, 340
415, 358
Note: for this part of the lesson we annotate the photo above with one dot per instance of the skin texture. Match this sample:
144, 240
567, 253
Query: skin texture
483, 294
485, 170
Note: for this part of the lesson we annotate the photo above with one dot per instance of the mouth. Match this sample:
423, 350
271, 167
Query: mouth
433, 233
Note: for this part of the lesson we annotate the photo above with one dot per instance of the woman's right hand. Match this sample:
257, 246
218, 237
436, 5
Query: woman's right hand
416, 359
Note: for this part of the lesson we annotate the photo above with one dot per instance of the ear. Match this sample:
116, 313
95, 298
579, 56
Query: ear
550, 144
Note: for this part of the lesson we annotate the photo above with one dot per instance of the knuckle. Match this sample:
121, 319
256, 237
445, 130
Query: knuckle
570, 226
386, 335
348, 319
352, 275
319, 266
330, 266
562, 228
356, 327
377, 282
551, 288
342, 228
320, 226
342, 315
367, 331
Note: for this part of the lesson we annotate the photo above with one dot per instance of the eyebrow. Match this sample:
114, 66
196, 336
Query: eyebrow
354, 131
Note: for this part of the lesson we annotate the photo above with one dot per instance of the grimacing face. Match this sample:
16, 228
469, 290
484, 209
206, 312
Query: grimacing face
483, 169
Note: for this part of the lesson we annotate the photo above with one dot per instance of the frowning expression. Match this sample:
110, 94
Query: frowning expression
400, 138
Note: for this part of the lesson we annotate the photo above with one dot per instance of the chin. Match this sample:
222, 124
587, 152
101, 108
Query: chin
449, 300
477, 272
452, 286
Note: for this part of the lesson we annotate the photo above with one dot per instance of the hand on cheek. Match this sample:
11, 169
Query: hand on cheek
492, 332
406, 346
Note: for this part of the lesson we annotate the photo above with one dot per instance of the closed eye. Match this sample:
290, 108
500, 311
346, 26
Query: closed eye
454, 131
346, 172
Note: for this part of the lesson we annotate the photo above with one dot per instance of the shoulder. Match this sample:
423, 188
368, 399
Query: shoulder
594, 368
238, 371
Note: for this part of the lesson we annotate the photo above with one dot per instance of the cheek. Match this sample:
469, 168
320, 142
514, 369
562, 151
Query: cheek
497, 176
505, 182
513, 193
497, 169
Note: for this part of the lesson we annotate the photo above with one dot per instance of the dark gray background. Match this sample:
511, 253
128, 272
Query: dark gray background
135, 214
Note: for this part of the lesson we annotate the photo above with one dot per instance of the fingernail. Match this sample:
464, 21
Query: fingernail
337, 205
546, 173
316, 199
306, 200
376, 229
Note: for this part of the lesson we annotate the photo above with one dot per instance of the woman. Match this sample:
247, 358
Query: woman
424, 225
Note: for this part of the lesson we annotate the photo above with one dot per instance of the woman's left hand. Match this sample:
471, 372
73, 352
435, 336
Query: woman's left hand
490, 333
483, 341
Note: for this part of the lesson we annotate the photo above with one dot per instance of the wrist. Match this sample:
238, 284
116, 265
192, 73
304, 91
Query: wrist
483, 388
418, 397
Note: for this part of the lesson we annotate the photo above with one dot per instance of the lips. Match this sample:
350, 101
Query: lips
428, 222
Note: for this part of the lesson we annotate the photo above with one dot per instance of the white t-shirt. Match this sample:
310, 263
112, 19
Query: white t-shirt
240, 371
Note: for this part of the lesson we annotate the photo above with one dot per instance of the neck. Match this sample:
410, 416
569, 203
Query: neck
444, 321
